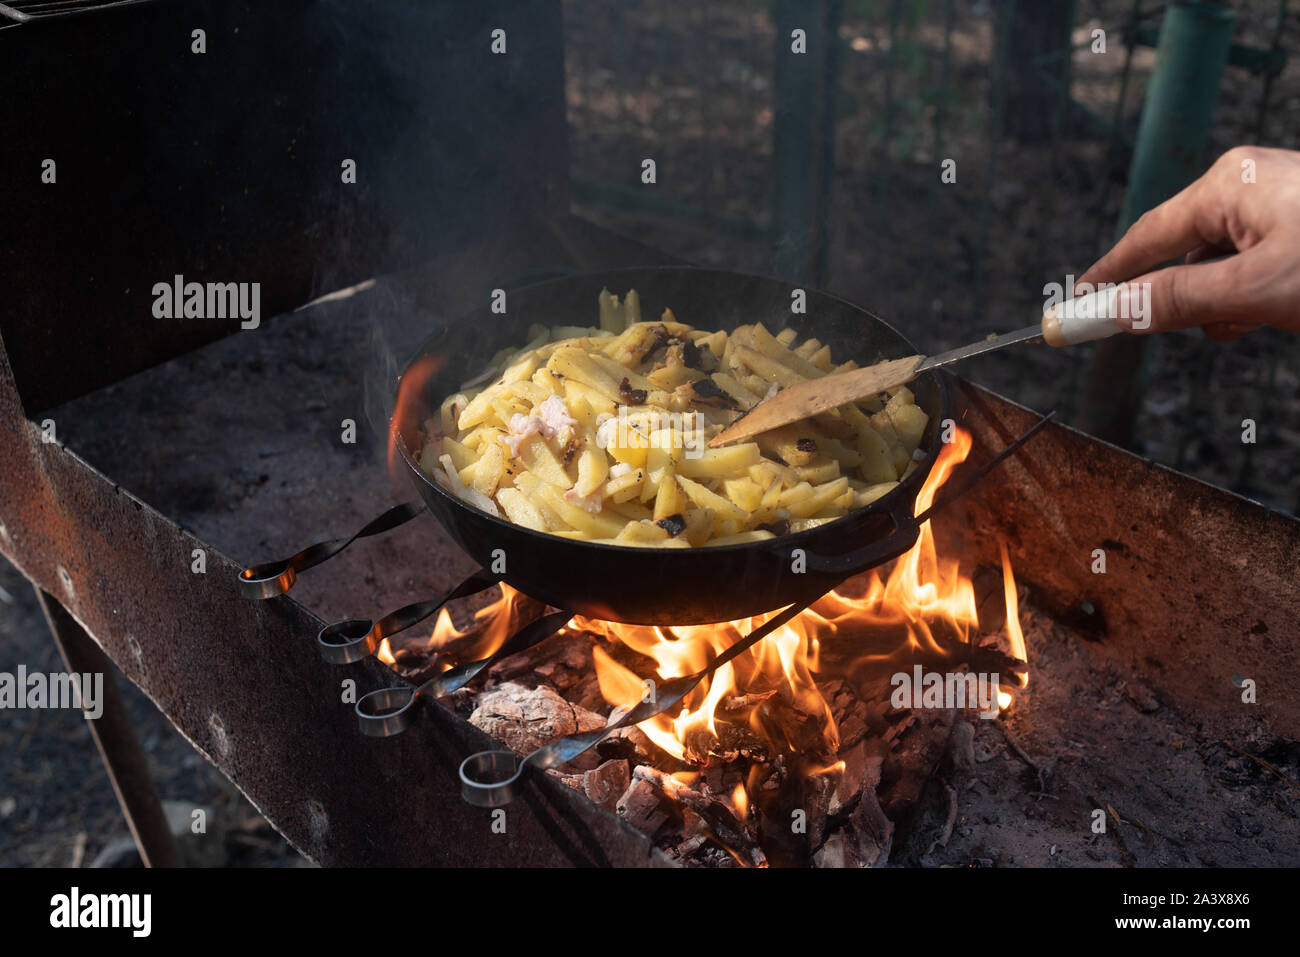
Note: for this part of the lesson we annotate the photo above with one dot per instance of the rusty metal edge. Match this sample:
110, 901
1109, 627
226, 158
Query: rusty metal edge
242, 683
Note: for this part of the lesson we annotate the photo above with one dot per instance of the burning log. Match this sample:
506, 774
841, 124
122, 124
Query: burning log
556, 660
743, 702
639, 806
735, 835
834, 852
854, 720
818, 793
626, 744
915, 752
604, 786
861, 770
990, 603
865, 841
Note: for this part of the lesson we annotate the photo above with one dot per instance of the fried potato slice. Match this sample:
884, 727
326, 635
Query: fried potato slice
611, 425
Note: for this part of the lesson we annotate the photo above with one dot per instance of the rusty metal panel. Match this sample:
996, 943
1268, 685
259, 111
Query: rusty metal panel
1201, 585
243, 683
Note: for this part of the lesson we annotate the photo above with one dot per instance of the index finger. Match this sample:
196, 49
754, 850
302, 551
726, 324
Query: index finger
1163, 233
1199, 215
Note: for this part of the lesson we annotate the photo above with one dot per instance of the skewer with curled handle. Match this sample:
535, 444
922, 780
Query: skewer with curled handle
352, 639
270, 579
390, 711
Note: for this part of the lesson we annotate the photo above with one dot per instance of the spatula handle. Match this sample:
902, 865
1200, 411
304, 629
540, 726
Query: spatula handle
1092, 315
1082, 319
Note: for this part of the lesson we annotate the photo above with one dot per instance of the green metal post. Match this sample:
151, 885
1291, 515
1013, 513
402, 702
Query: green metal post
1170, 153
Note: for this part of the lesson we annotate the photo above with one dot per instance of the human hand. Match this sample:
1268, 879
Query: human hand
1248, 201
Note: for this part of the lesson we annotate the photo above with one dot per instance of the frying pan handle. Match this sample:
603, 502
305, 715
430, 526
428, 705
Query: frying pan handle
352, 639
906, 530
275, 578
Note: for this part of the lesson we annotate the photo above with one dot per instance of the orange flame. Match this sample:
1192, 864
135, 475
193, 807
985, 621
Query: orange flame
409, 390
740, 801
922, 598
921, 594
487, 632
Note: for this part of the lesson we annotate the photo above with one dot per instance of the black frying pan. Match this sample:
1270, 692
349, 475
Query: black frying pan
670, 586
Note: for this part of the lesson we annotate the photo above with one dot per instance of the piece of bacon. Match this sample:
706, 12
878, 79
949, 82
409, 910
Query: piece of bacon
521, 427
594, 502
554, 417
551, 419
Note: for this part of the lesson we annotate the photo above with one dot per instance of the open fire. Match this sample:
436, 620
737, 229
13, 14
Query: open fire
777, 702
919, 608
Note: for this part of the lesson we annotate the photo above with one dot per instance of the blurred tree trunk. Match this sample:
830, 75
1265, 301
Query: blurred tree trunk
1037, 67
804, 91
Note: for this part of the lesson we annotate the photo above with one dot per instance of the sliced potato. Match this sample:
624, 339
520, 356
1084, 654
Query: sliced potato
877, 457
538, 457
809, 503
593, 467
868, 495
520, 510
730, 460
593, 523
637, 480
703, 497
668, 499
909, 423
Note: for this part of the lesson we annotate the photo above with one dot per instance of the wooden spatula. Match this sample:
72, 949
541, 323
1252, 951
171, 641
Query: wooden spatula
1078, 320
